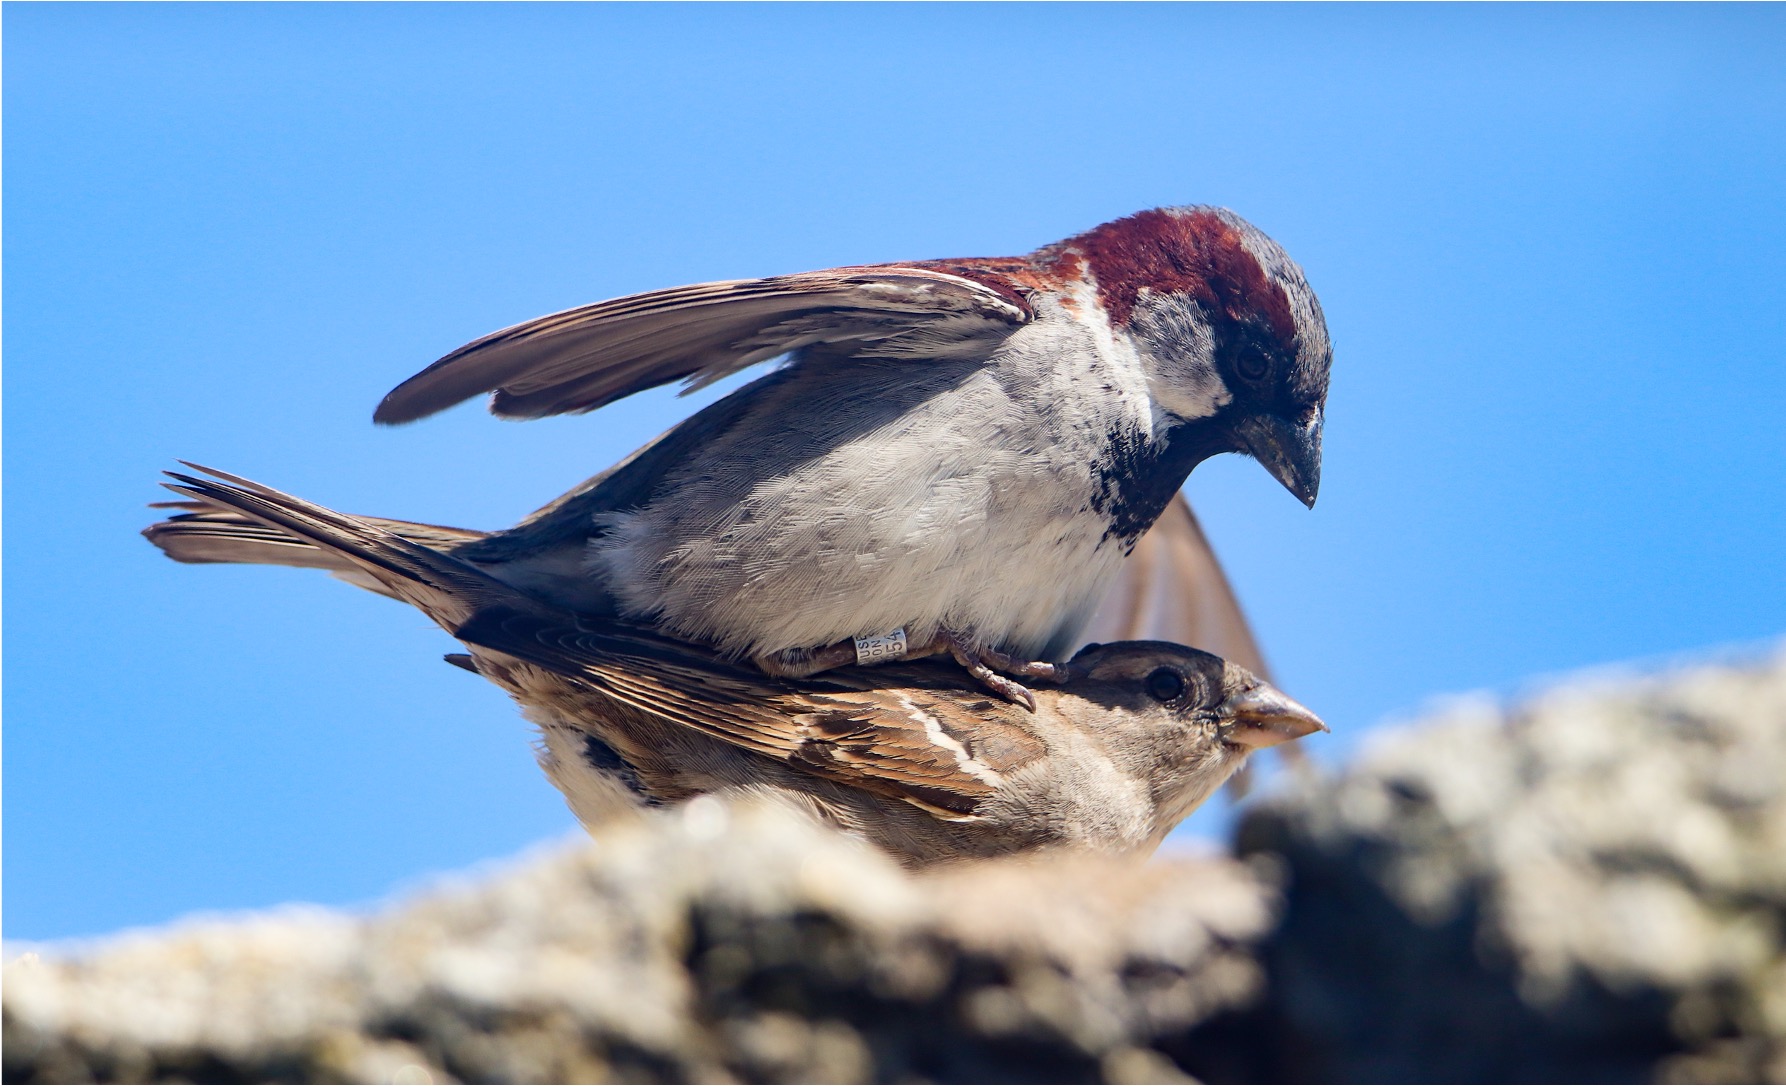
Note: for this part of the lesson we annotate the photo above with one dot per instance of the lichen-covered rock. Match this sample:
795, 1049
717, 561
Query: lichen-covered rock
1589, 887
712, 944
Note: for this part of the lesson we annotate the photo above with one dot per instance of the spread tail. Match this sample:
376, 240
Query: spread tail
232, 519
202, 532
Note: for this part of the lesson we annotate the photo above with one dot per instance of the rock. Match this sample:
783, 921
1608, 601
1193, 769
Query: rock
1587, 887
711, 944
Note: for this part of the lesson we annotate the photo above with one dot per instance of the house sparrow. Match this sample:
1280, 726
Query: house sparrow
1135, 737
1170, 588
957, 457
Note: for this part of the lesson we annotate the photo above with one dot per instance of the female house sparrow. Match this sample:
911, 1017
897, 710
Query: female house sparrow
958, 455
1137, 736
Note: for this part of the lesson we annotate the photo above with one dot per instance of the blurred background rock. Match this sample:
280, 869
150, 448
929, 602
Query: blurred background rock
1590, 886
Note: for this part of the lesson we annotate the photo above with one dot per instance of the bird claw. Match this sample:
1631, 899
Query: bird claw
981, 664
989, 666
1010, 665
1009, 689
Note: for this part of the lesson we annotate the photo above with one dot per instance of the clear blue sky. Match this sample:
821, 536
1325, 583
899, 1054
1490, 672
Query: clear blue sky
1549, 240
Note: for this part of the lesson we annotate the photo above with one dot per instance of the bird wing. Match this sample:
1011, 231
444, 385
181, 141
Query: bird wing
1172, 588
583, 358
906, 732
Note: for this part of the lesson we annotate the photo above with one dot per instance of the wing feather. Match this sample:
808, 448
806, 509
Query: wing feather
1172, 588
879, 737
885, 729
583, 358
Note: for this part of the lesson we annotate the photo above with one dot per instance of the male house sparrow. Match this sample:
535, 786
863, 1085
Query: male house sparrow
958, 455
1137, 736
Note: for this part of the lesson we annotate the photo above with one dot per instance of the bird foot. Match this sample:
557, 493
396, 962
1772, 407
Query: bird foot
986, 665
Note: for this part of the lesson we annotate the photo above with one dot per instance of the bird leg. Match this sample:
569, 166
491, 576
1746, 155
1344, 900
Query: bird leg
984, 664
801, 663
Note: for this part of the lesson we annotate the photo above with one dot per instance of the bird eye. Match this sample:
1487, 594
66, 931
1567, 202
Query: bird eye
1251, 365
1164, 684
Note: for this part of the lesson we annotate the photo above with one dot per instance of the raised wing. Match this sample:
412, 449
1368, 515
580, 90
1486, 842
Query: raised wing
1172, 588
879, 732
583, 358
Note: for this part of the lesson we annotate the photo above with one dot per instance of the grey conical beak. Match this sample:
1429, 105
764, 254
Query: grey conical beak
1291, 451
1264, 716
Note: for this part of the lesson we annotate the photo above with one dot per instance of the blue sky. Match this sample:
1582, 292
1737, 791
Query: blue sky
1549, 242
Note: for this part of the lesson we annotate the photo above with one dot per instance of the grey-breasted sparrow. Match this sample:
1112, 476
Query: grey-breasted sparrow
958, 454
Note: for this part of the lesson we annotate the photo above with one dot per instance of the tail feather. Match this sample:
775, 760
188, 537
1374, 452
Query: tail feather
200, 533
444, 588
206, 534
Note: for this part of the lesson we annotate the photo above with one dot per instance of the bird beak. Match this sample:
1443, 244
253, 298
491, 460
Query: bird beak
1265, 717
1290, 451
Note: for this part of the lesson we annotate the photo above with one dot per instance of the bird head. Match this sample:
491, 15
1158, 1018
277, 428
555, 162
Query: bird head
1181, 719
1228, 331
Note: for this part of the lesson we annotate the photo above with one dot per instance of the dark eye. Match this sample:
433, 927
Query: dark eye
1164, 684
1251, 365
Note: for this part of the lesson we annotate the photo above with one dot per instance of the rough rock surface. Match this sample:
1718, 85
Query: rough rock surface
704, 945
1587, 887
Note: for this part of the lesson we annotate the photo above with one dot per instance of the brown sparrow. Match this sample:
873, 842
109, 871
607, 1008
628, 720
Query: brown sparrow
1131, 741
